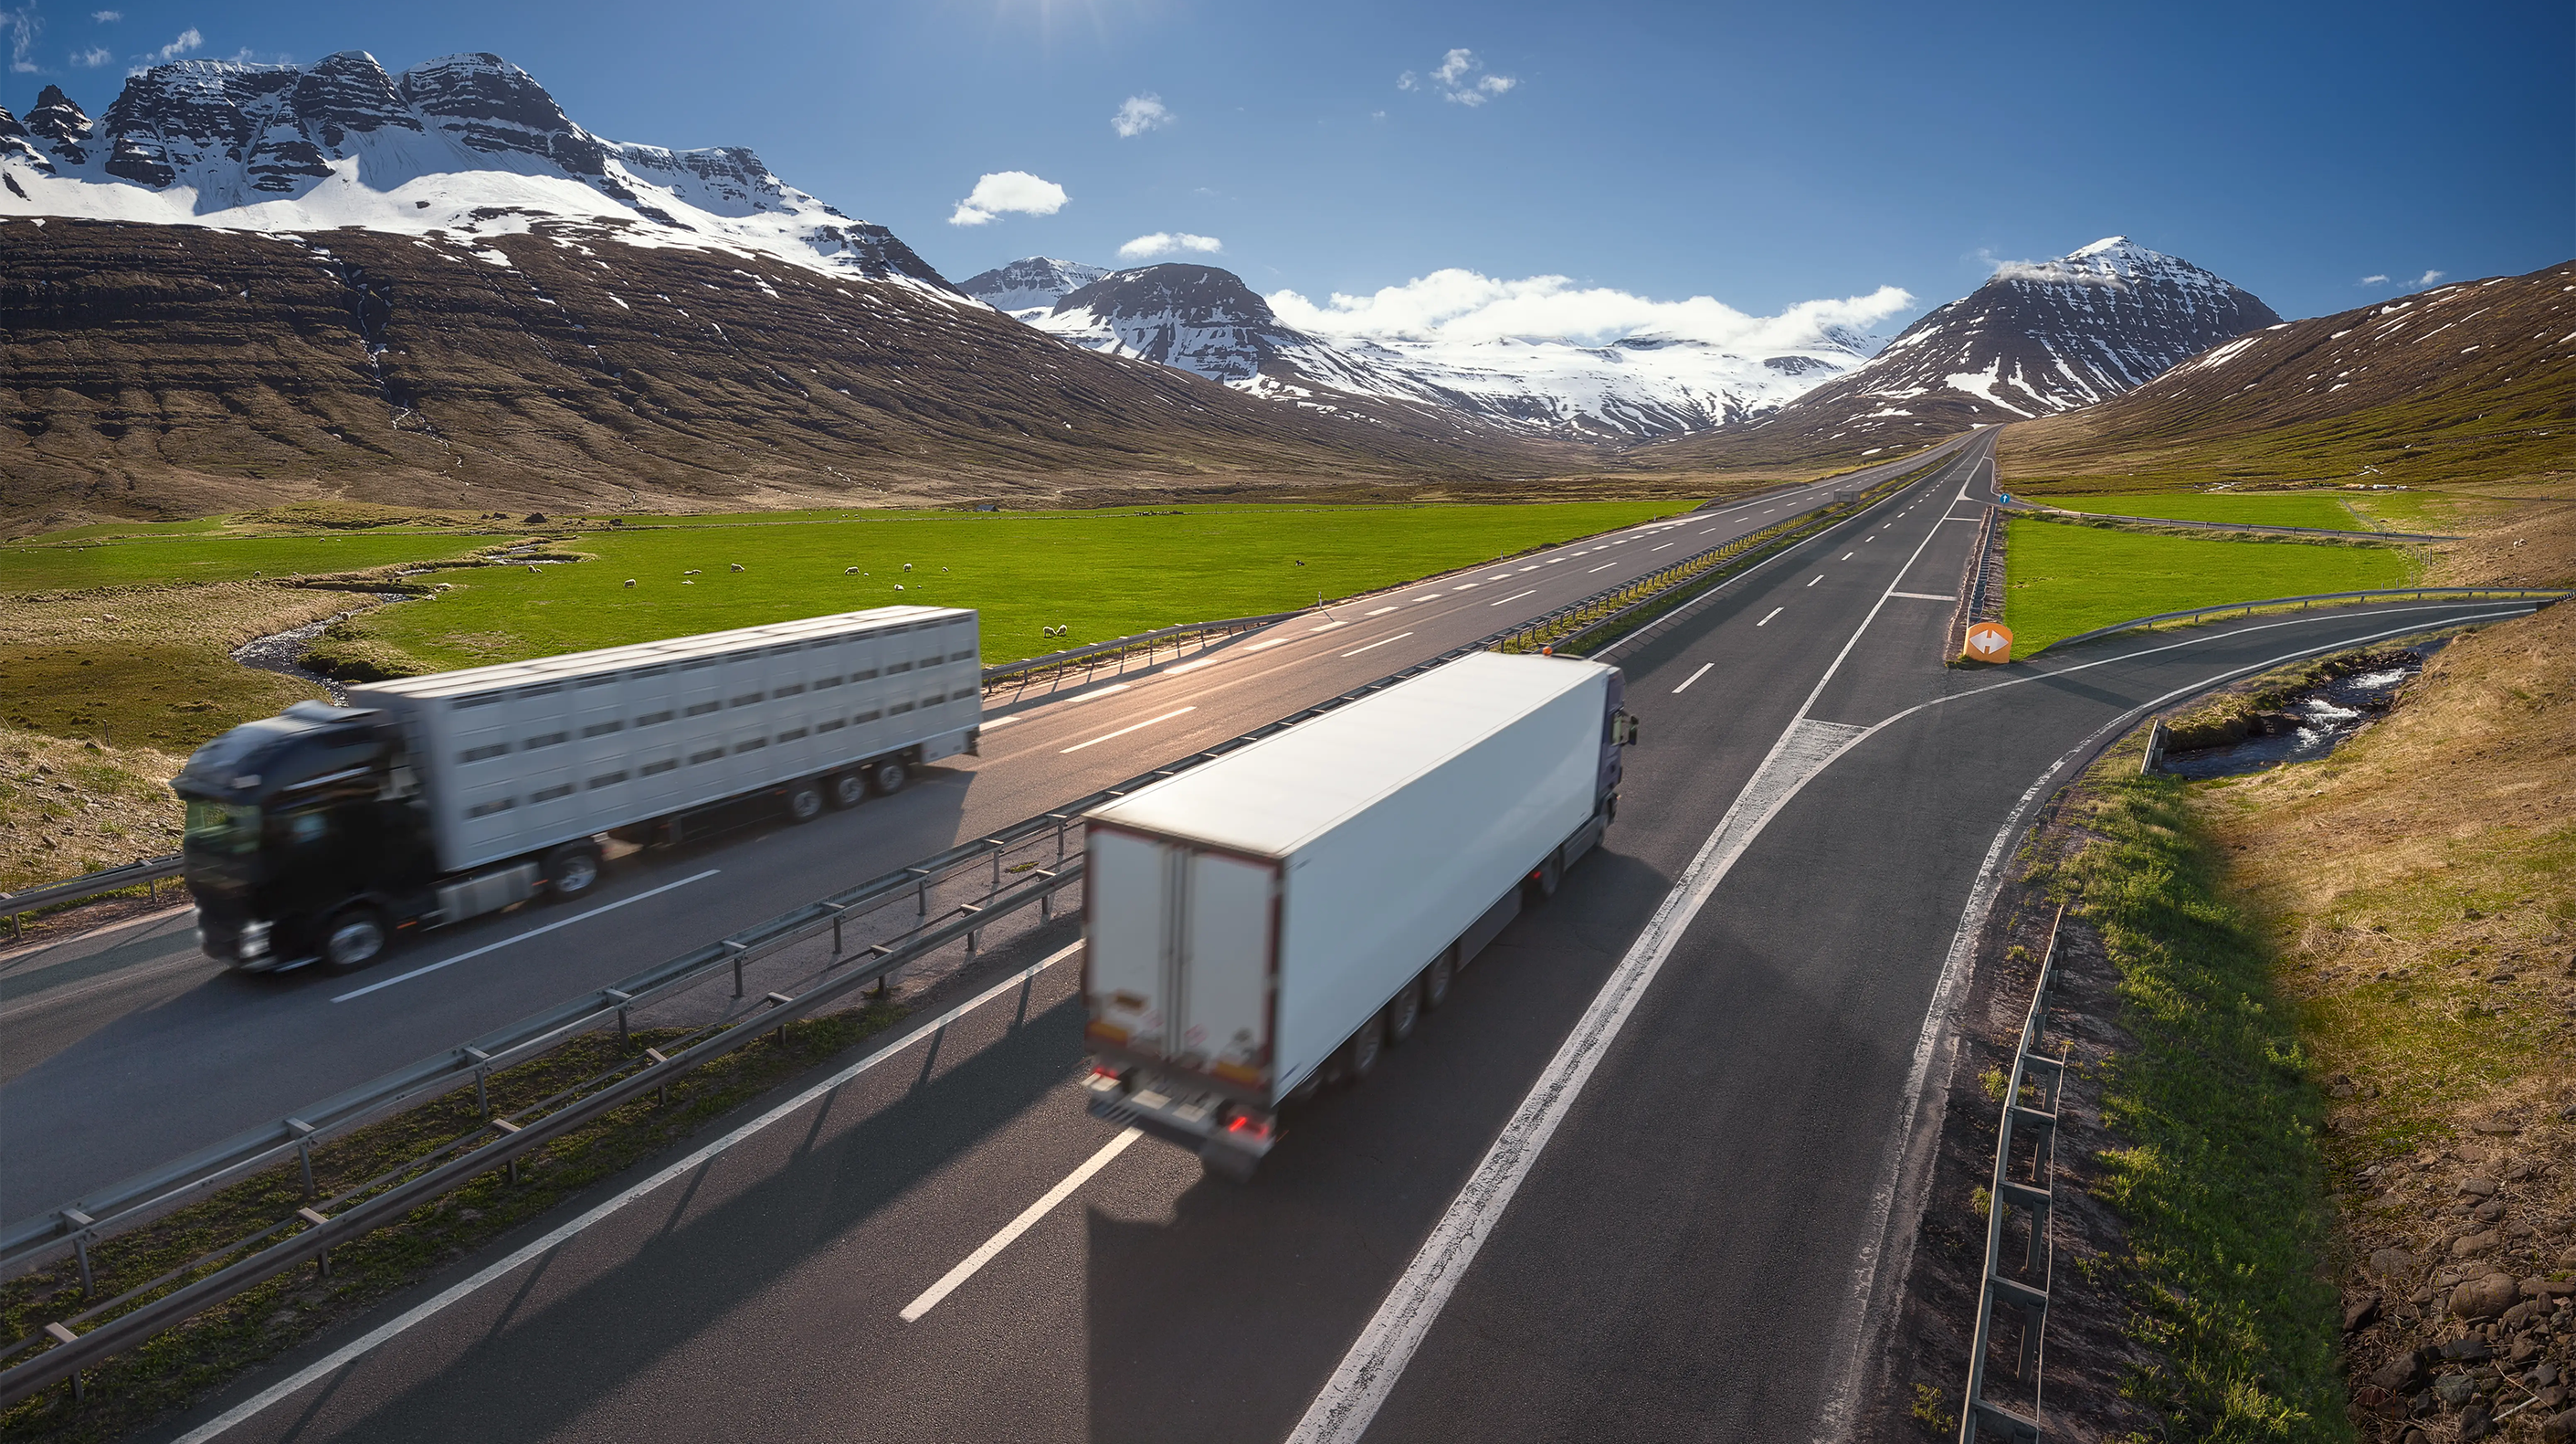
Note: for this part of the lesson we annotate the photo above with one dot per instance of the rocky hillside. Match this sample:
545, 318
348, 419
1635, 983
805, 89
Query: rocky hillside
246, 284
2457, 383
2034, 340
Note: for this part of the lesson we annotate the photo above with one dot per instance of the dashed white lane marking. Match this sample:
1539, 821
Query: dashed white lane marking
1668, 546
1847, 556
1131, 727
1380, 612
367, 1343
1426, 596
1328, 626
1273, 642
1028, 1218
989, 723
1468, 586
522, 937
1695, 676
1605, 566
1818, 577
1766, 621
1380, 642
1514, 597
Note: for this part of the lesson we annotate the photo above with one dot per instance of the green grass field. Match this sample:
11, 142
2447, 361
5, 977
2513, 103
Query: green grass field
1100, 574
55, 566
2064, 579
2258, 508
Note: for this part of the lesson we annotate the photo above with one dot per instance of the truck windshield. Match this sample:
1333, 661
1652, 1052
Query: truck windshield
222, 826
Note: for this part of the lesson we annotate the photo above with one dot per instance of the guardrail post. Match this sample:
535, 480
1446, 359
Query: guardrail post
482, 1100
61, 1335
321, 1261
621, 999
304, 1150
80, 1223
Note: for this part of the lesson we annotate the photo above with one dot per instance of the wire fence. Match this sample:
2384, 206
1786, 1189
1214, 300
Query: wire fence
2030, 1117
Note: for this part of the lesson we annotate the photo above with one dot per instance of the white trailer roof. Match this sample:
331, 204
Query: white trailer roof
471, 680
1273, 795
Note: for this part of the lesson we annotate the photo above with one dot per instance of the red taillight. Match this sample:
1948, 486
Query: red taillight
1103, 1070
1248, 1124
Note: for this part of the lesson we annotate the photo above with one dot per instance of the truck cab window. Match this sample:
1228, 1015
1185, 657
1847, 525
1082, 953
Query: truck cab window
222, 826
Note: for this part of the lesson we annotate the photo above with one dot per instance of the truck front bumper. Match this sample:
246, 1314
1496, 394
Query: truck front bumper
1229, 1139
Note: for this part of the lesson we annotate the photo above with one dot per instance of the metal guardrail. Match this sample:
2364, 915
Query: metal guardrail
2030, 1292
2546, 595
150, 871
1090, 656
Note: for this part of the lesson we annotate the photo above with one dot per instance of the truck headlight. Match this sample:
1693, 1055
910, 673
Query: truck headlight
254, 940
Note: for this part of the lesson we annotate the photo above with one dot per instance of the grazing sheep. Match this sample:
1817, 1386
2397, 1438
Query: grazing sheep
532, 566
684, 581
898, 586
630, 582
691, 572
849, 571
737, 566
907, 566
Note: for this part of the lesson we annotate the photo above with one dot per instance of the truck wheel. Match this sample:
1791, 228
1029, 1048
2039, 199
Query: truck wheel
1360, 1054
849, 789
1404, 1013
804, 801
572, 870
354, 937
1436, 980
887, 775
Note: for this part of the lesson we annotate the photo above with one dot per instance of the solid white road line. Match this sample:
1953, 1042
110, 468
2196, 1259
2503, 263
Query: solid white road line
1818, 577
1766, 621
522, 937
369, 1342
1380, 642
1131, 727
1695, 676
1924, 596
1514, 597
1029, 1216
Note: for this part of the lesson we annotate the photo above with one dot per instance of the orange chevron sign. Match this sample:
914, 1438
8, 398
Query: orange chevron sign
1989, 642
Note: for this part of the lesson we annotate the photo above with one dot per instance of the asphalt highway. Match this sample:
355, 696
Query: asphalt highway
1641, 1178
120, 1053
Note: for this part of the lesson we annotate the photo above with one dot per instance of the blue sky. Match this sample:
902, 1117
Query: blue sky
1763, 155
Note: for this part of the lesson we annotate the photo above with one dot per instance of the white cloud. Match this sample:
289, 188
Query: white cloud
1139, 114
1008, 190
2372, 281
1164, 243
2429, 277
106, 17
93, 58
188, 40
24, 26
1456, 80
1464, 306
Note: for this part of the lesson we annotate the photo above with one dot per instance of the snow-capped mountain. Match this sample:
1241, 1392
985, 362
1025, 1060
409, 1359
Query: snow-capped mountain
1029, 288
2035, 339
1206, 321
465, 145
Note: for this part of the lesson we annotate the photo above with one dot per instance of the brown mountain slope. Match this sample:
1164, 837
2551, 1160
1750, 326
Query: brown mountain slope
165, 370
2460, 383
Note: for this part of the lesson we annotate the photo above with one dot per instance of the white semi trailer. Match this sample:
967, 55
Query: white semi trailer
1278, 916
328, 831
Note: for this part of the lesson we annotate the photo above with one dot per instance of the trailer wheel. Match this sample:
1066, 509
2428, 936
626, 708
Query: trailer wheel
572, 869
354, 937
1436, 980
804, 801
1404, 1013
849, 789
1360, 1054
887, 775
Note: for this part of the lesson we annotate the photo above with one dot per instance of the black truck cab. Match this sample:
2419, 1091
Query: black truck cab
305, 838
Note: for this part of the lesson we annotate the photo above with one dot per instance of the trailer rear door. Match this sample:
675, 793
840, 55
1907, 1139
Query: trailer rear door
1180, 947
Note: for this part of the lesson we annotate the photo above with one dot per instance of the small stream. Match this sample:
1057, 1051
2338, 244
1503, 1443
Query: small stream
2315, 722
283, 652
